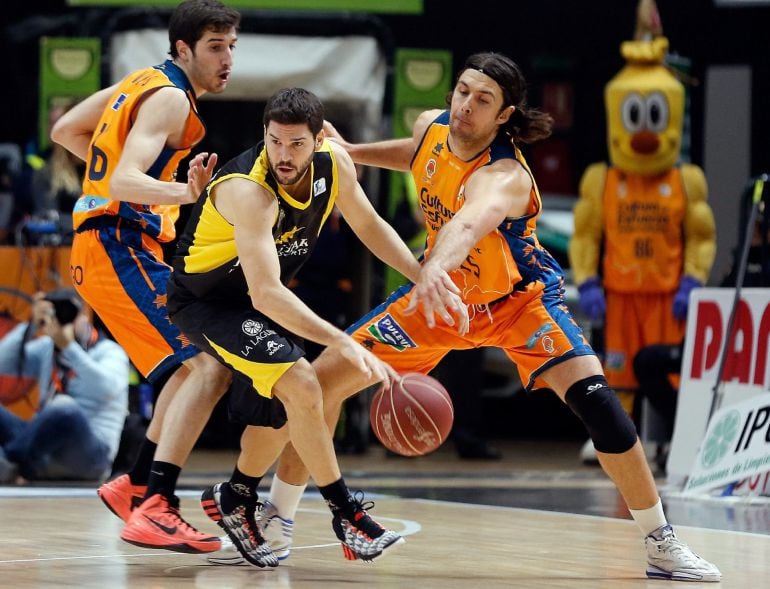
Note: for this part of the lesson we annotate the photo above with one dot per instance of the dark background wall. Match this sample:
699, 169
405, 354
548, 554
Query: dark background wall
577, 42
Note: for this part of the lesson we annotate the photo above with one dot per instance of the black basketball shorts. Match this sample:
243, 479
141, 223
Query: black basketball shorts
256, 349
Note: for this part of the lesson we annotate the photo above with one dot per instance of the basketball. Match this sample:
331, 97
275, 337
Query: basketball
413, 417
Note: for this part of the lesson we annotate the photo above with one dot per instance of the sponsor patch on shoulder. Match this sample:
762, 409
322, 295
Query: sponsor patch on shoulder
319, 186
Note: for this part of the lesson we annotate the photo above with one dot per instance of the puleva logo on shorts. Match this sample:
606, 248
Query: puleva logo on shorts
542, 330
387, 331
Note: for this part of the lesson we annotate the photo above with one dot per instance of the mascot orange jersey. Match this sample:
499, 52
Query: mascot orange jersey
643, 220
107, 144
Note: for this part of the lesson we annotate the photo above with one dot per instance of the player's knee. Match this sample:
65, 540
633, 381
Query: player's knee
301, 392
216, 376
595, 403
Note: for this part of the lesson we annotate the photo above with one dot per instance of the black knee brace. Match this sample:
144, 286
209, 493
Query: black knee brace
596, 404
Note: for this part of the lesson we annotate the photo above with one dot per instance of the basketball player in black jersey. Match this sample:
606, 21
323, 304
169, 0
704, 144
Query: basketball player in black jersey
250, 232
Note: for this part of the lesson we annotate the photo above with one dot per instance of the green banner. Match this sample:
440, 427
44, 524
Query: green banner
377, 6
422, 79
69, 70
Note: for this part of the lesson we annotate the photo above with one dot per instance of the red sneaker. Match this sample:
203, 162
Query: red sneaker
156, 523
121, 497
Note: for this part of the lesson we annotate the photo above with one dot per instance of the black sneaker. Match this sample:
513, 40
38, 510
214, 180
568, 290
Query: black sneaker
362, 537
240, 526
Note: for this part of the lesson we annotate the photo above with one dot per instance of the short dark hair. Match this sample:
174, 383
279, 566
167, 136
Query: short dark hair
526, 124
192, 18
294, 106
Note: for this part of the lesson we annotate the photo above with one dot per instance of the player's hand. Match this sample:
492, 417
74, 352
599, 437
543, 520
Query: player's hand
375, 369
198, 175
330, 132
435, 293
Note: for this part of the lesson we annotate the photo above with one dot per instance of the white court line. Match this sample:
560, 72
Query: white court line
409, 528
52, 558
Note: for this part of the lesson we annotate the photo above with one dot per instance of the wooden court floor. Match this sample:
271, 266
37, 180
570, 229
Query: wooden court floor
64, 537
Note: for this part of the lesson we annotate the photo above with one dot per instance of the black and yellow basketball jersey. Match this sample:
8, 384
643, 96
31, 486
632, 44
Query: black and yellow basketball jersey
206, 262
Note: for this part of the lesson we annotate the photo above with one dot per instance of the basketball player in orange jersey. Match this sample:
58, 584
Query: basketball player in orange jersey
133, 136
481, 203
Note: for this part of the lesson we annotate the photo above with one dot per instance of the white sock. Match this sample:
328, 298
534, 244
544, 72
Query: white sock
285, 497
649, 519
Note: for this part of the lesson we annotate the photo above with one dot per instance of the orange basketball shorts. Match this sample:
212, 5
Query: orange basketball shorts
632, 322
533, 327
119, 271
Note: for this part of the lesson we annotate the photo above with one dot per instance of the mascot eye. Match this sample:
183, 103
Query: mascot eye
633, 112
657, 112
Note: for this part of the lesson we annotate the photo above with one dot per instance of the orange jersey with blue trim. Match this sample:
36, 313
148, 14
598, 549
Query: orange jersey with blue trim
643, 232
107, 146
506, 259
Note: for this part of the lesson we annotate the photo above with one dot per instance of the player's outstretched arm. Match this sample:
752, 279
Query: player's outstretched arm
391, 154
74, 129
383, 241
373, 231
492, 193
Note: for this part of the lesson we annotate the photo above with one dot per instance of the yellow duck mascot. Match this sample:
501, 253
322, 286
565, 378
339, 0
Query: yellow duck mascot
644, 232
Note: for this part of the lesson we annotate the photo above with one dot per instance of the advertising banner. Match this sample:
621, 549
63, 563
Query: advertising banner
743, 387
736, 446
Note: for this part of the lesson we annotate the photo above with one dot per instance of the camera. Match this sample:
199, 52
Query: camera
66, 305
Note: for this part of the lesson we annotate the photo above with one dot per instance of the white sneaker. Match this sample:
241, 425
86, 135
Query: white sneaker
670, 558
277, 531
588, 453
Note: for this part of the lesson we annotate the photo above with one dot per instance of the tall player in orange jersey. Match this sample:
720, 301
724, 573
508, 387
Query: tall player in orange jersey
481, 203
133, 136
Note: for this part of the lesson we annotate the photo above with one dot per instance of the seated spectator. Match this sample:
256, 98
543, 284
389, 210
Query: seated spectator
654, 366
82, 377
55, 186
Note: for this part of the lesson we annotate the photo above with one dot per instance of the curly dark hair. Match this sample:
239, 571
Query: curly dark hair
526, 125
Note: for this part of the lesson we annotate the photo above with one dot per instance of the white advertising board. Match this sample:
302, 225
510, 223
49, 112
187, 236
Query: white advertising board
746, 375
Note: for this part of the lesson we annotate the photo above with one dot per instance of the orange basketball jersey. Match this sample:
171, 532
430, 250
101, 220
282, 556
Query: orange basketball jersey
643, 224
509, 257
107, 145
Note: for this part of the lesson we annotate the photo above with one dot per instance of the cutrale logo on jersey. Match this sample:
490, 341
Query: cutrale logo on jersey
436, 212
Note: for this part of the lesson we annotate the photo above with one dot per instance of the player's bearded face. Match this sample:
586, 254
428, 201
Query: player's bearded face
290, 151
288, 172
